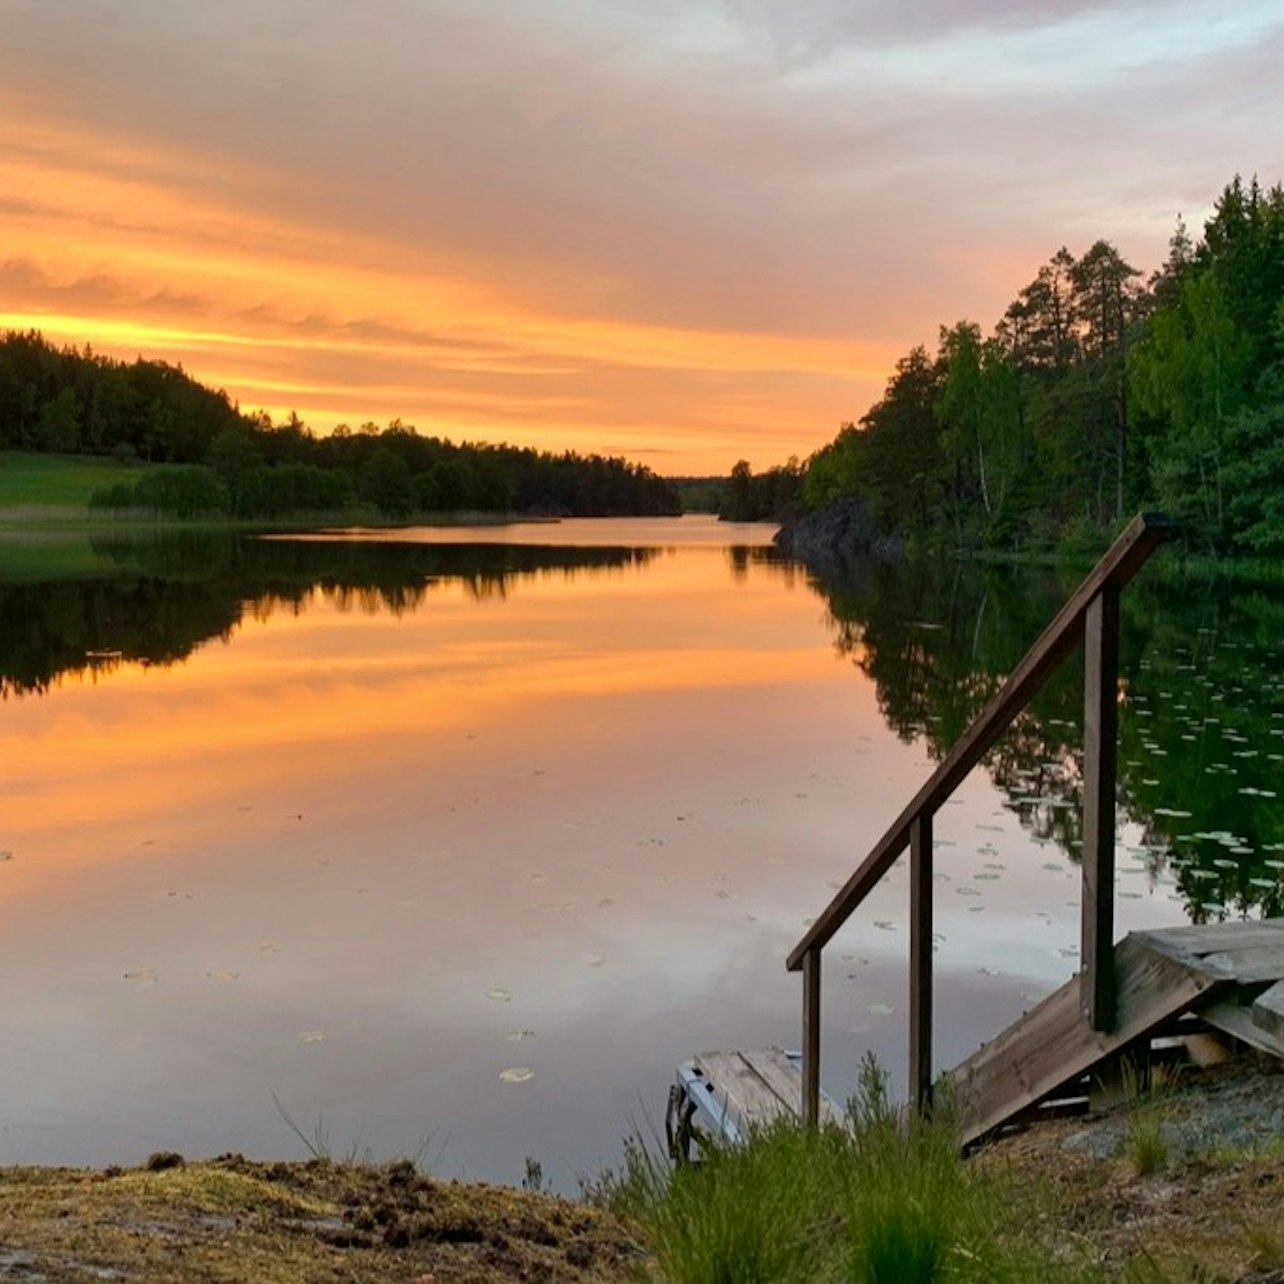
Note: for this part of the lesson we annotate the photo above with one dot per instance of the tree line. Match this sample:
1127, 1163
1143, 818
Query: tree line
1096, 394
210, 457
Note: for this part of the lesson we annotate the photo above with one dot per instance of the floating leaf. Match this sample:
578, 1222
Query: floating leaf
223, 974
311, 1036
499, 994
516, 1074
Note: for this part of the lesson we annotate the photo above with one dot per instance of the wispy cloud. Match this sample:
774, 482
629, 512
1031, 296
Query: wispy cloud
594, 217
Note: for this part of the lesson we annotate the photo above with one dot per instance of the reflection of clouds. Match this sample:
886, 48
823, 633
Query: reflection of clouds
377, 820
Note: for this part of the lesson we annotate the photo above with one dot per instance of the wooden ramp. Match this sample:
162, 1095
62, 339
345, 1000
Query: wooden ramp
1231, 974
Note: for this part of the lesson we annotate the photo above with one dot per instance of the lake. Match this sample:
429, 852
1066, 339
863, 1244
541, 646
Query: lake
453, 842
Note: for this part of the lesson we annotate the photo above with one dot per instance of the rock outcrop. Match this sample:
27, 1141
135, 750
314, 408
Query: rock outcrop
838, 534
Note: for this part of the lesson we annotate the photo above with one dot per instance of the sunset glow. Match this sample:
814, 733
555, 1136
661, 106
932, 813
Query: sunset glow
699, 235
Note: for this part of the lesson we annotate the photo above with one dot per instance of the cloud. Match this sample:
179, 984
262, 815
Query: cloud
552, 190
24, 284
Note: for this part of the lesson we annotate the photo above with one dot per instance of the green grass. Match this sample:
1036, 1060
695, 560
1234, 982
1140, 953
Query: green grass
887, 1201
1145, 1144
57, 481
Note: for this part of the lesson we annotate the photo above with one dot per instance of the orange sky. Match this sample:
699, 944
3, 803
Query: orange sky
687, 237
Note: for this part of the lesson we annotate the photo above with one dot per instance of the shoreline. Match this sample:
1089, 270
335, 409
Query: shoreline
1205, 1205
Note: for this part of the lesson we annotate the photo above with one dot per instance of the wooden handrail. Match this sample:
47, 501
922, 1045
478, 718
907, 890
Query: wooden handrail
1090, 615
1125, 557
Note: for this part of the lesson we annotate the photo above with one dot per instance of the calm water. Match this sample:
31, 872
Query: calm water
464, 838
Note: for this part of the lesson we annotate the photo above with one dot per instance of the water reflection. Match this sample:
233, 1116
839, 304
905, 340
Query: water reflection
400, 806
1201, 715
305, 860
155, 601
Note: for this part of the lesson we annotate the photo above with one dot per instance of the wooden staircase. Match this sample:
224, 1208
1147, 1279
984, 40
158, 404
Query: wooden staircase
1089, 618
1174, 982
1230, 974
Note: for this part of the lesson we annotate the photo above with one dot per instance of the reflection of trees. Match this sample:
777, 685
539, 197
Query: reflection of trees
168, 596
1201, 717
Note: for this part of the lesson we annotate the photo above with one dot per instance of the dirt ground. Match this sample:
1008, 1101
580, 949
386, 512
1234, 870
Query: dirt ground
230, 1219
1211, 1210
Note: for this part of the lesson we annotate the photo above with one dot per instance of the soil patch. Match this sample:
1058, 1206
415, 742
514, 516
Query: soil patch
231, 1219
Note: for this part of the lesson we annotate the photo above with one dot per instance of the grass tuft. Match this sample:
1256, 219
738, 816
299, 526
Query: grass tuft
885, 1200
1146, 1145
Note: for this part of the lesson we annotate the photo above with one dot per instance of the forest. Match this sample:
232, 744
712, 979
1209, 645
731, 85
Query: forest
1098, 393
208, 457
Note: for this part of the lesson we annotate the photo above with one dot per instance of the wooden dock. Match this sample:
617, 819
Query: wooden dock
726, 1095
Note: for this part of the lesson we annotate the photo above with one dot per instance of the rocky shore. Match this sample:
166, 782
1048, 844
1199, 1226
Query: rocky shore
836, 536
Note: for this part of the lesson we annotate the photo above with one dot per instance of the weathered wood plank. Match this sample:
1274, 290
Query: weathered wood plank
1251, 965
784, 1078
1210, 938
1124, 558
747, 1095
1268, 1011
1236, 1018
1052, 1044
1100, 736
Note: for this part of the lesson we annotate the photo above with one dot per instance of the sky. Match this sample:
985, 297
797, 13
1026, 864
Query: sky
684, 231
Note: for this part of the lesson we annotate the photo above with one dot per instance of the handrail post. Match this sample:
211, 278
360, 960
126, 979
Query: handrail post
1100, 737
811, 1039
920, 962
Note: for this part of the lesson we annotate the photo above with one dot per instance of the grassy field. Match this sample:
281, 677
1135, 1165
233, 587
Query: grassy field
57, 481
